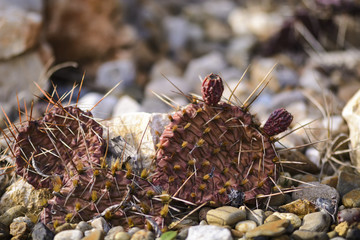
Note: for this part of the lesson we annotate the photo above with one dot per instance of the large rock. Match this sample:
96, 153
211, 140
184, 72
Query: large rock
19, 31
351, 113
139, 129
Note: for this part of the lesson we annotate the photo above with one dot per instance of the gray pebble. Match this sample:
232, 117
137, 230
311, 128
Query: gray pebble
316, 222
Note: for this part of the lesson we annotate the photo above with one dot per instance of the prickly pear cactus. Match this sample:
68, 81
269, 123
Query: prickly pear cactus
215, 152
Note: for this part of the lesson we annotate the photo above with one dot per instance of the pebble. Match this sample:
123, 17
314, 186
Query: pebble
95, 234
41, 232
182, 235
347, 182
103, 110
225, 215
307, 235
315, 190
257, 215
316, 222
101, 224
349, 215
353, 234
69, 235
293, 218
133, 230
208, 232
120, 236
113, 231
143, 235
63, 227
342, 229
270, 229
83, 226
25, 219
271, 218
124, 105
19, 230
299, 207
12, 213
245, 226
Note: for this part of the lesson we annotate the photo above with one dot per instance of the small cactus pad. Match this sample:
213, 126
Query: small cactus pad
217, 150
279, 121
212, 89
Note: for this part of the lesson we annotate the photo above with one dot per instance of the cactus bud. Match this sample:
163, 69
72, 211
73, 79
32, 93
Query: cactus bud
212, 89
279, 121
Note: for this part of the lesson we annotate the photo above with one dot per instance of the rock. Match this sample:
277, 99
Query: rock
183, 233
100, 224
330, 181
69, 235
162, 86
4, 232
294, 219
95, 234
225, 215
347, 182
307, 235
143, 235
245, 226
352, 198
237, 52
120, 236
208, 232
139, 129
19, 31
284, 180
299, 207
176, 29
217, 30
27, 5
212, 62
83, 226
133, 230
270, 229
125, 104
111, 73
316, 222
113, 231
25, 219
19, 230
351, 113
71, 39
257, 215
260, 23
271, 218
342, 229
314, 190
41, 232
103, 110
349, 215
17, 78
353, 234
7, 217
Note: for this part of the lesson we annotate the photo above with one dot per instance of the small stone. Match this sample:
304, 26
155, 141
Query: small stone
120, 236
347, 182
95, 234
69, 235
333, 235
236, 234
19, 230
103, 110
349, 215
101, 224
271, 218
342, 229
133, 230
202, 213
245, 226
353, 234
113, 231
294, 219
330, 181
203, 222
83, 226
316, 222
270, 229
41, 232
11, 214
299, 207
25, 219
284, 180
314, 190
307, 235
257, 215
225, 215
182, 235
124, 105
143, 235
208, 232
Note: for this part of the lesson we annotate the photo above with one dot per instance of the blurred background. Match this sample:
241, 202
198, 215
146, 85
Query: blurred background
143, 44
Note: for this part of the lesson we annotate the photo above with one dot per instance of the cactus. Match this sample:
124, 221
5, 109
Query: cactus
215, 152
210, 152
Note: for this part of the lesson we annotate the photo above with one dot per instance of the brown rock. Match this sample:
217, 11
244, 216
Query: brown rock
270, 229
352, 199
19, 230
299, 207
301, 163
